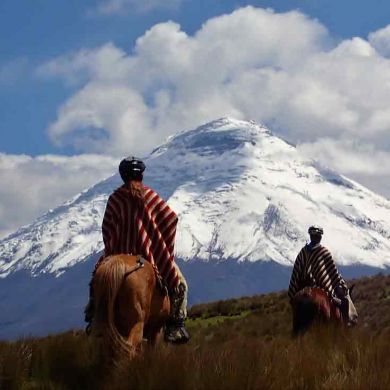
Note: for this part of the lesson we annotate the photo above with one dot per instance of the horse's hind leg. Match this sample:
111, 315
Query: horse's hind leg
136, 334
130, 321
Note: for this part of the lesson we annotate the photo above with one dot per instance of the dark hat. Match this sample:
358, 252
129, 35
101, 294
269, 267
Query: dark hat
313, 230
131, 168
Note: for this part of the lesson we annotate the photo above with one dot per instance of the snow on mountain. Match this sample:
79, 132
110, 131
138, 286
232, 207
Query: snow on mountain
240, 193
245, 199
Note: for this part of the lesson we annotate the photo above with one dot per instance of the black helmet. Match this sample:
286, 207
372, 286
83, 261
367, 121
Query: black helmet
315, 230
131, 168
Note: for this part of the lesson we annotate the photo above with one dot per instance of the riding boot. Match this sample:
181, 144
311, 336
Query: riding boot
175, 332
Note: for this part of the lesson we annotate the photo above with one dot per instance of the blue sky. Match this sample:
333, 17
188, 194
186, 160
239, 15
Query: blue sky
83, 83
32, 32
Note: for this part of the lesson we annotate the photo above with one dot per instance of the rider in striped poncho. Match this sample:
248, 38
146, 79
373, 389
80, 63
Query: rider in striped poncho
138, 221
315, 267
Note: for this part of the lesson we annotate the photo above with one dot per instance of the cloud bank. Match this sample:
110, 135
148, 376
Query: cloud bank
245, 64
33, 185
280, 69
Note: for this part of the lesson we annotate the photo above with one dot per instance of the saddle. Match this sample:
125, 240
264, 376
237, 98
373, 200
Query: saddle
160, 283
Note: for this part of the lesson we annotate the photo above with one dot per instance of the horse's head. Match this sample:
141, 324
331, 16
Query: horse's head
347, 307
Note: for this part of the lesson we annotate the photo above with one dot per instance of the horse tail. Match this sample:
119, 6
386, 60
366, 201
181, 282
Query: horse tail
108, 280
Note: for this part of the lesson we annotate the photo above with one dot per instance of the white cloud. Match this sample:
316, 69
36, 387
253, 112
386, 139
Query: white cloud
100, 106
108, 7
380, 40
173, 81
107, 63
363, 162
280, 69
348, 156
33, 185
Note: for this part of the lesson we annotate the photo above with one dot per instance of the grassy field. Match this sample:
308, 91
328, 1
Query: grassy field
236, 344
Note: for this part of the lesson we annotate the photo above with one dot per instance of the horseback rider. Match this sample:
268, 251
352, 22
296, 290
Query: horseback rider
315, 267
137, 221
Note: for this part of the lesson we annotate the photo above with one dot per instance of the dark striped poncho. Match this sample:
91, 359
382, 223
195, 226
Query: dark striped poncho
314, 267
141, 228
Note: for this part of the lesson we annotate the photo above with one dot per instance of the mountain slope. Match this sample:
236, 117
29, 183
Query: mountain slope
245, 199
240, 193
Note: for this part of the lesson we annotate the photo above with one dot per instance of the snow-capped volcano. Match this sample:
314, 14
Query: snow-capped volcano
241, 194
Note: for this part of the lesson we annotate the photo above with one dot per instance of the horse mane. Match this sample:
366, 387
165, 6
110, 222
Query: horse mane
107, 282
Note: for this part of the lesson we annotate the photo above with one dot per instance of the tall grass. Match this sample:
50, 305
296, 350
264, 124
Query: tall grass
324, 360
236, 344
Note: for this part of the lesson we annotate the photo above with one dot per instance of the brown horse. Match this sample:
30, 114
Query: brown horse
313, 304
129, 305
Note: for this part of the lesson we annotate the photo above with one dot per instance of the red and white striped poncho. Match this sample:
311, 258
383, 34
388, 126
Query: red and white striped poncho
142, 228
315, 267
